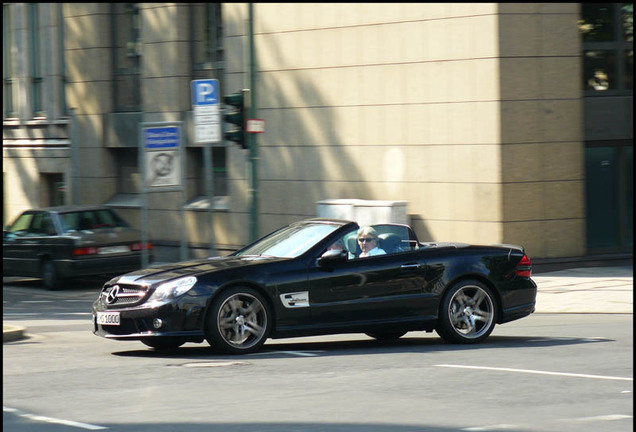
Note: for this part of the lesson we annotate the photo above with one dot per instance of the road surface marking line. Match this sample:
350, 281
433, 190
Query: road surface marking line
299, 353
529, 371
74, 313
490, 428
608, 417
36, 301
21, 313
53, 420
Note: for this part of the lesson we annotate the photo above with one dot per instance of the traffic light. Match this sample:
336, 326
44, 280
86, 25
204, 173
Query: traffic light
237, 116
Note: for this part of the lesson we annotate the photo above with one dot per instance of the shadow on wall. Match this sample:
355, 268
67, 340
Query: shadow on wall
305, 157
25, 179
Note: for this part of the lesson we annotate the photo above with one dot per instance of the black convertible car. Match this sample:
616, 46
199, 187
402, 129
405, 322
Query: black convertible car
308, 279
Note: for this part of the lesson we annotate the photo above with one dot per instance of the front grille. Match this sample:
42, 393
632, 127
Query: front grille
125, 295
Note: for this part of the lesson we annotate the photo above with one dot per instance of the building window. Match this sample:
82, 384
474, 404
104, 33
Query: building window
126, 56
36, 64
607, 30
198, 188
7, 63
128, 174
206, 35
207, 40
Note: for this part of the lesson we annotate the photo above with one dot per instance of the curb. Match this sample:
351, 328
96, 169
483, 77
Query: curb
12, 333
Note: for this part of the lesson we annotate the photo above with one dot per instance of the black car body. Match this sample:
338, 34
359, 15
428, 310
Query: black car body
59, 243
290, 283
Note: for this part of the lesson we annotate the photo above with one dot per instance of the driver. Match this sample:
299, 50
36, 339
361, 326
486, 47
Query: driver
368, 242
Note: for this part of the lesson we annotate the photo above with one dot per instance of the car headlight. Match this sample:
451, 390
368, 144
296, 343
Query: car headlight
173, 288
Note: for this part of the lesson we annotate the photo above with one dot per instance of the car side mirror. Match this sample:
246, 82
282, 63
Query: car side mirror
333, 256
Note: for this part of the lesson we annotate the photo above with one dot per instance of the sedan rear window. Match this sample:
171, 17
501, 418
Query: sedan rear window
91, 220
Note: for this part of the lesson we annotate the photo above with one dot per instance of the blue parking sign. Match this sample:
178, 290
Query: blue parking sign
205, 92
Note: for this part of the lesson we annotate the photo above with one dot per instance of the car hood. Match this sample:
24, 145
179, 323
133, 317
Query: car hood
165, 272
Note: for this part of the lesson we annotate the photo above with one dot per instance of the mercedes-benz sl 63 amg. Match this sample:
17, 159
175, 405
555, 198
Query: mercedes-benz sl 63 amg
308, 279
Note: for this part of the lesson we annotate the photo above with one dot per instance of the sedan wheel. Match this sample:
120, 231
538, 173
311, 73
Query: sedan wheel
50, 277
468, 313
238, 322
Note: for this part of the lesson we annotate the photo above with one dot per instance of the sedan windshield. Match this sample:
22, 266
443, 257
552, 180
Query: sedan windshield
291, 241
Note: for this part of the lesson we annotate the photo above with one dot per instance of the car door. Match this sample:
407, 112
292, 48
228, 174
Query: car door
364, 290
24, 242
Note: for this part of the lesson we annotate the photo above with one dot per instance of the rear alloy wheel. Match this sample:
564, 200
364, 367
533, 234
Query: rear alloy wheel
163, 343
239, 321
468, 313
50, 277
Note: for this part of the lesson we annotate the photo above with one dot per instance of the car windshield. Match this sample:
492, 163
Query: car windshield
90, 220
291, 241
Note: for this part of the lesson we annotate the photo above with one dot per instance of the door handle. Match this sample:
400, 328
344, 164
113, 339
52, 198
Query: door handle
410, 266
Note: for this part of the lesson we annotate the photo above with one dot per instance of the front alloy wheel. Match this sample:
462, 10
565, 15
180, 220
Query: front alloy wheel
468, 313
238, 322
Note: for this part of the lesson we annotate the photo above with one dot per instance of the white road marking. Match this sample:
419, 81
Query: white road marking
529, 371
295, 353
36, 301
74, 313
591, 339
491, 428
214, 364
20, 314
299, 353
609, 417
53, 420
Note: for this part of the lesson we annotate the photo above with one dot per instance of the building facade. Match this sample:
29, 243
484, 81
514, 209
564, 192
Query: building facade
496, 123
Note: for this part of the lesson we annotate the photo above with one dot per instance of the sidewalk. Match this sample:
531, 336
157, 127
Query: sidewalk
579, 290
586, 290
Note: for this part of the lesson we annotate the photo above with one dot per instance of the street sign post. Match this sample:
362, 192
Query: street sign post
206, 110
161, 168
207, 130
162, 156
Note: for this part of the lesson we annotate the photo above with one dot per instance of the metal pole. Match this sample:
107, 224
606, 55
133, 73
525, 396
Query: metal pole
184, 232
251, 136
143, 213
74, 158
209, 186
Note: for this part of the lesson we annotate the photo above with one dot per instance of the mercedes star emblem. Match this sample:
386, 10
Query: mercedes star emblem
112, 295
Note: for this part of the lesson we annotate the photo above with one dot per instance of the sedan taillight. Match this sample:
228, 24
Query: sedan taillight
85, 251
524, 268
140, 246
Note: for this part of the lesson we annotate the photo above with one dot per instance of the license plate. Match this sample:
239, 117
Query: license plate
108, 318
112, 250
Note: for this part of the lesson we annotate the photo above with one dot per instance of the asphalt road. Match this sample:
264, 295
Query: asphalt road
546, 372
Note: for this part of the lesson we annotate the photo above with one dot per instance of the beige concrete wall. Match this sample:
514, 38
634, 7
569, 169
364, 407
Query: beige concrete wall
381, 101
470, 112
87, 40
542, 129
32, 147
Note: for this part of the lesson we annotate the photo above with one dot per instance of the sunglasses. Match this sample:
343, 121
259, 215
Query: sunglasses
366, 239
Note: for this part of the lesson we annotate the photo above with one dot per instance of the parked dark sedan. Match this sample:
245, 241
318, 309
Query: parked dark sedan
299, 281
58, 243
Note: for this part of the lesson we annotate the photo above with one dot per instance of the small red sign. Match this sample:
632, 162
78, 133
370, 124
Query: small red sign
255, 126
